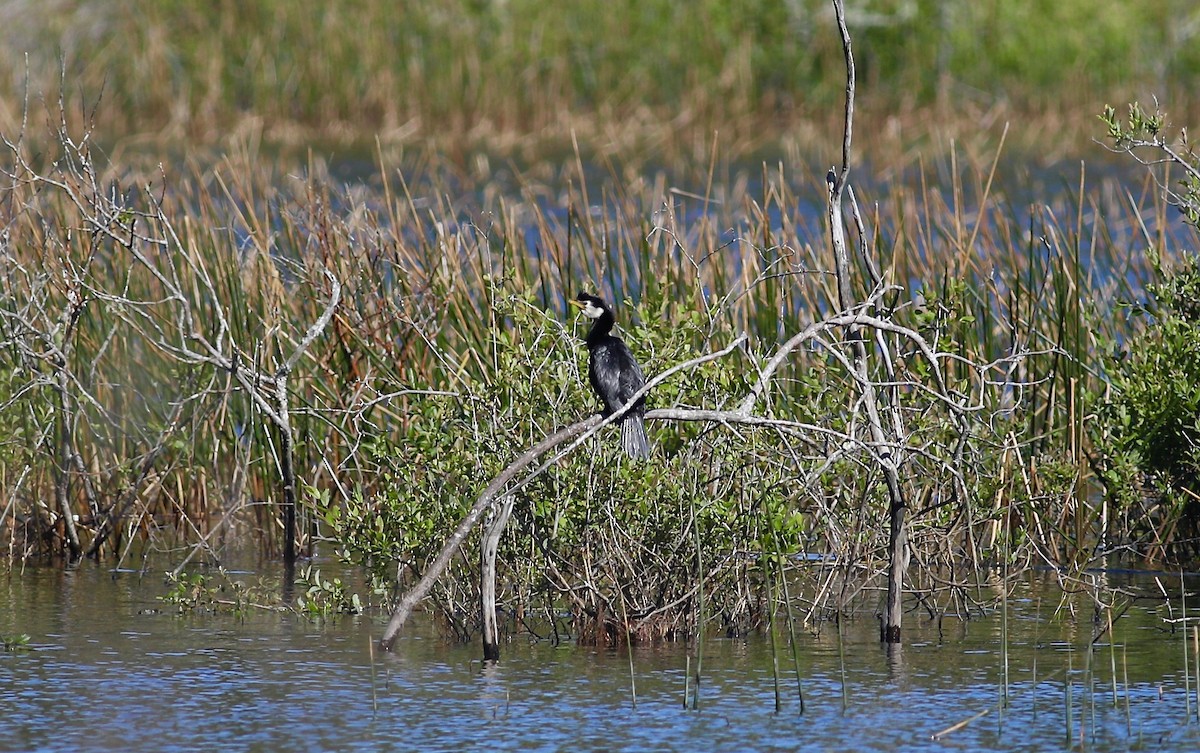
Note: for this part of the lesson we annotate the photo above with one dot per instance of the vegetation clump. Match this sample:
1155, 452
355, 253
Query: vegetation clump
1148, 424
184, 352
1151, 421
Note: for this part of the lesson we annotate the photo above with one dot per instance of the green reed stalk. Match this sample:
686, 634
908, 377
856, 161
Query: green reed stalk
787, 599
1196, 665
772, 595
1067, 705
1125, 675
1038, 622
1004, 598
687, 678
1187, 673
371, 655
1035, 685
1089, 674
629, 651
842, 664
700, 618
1112, 654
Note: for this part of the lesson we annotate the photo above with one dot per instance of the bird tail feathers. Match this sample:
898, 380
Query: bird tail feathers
633, 437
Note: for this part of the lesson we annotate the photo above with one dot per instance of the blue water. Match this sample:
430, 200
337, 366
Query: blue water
112, 668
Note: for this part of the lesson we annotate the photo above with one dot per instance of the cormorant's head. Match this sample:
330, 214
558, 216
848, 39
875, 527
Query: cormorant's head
590, 306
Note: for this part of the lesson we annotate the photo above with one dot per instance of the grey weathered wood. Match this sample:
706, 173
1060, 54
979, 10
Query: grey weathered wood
487, 585
889, 459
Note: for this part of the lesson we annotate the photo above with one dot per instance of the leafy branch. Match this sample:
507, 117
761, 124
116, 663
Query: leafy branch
1146, 136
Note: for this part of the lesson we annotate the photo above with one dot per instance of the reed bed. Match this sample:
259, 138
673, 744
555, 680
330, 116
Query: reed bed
147, 316
654, 77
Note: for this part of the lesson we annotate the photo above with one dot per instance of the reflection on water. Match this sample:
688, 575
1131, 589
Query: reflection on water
108, 671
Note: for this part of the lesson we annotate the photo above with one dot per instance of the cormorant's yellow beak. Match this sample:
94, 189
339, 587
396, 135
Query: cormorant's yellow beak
577, 304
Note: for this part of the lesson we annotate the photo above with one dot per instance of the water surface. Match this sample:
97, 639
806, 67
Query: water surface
112, 668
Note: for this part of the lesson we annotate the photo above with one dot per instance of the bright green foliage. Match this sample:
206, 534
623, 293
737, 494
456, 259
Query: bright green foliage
1143, 131
15, 642
321, 598
1140, 126
191, 592
198, 593
1149, 429
451, 447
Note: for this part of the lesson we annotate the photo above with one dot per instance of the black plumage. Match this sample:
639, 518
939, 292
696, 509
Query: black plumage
615, 374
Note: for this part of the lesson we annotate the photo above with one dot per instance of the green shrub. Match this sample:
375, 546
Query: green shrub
1148, 430
595, 533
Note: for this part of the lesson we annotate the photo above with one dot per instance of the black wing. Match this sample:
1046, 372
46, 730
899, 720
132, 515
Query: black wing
614, 374
632, 379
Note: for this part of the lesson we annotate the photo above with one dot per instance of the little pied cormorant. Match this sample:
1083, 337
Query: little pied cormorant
614, 374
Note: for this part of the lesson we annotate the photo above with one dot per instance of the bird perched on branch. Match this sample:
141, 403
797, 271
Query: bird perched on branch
614, 374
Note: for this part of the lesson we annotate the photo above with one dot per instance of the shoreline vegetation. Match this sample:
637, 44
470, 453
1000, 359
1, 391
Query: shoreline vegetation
657, 78
207, 346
